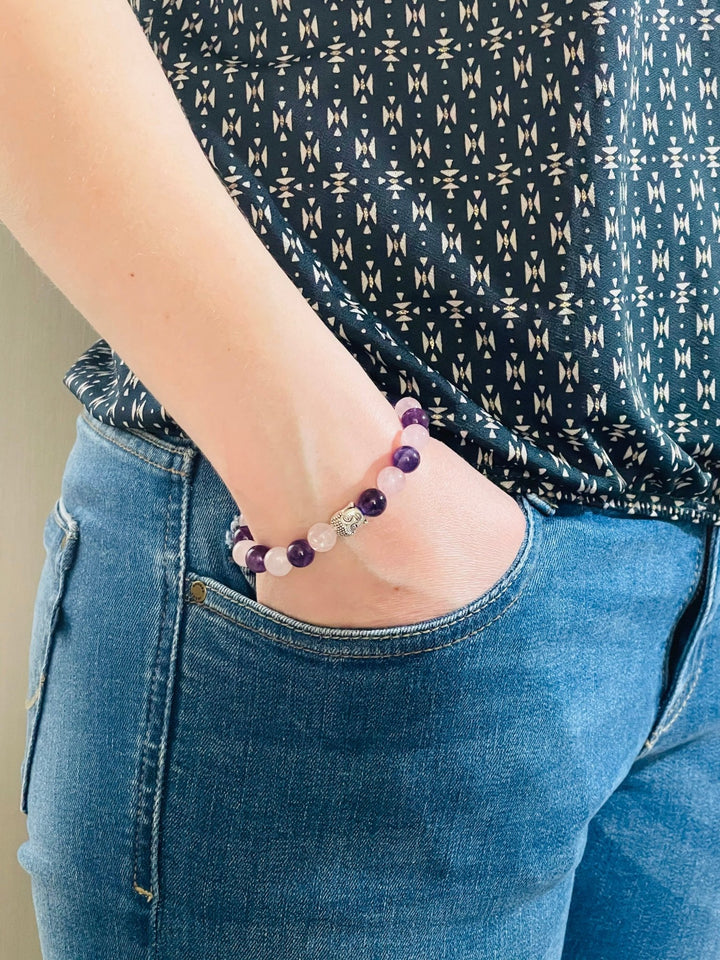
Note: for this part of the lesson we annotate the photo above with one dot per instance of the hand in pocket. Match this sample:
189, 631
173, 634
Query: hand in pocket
443, 541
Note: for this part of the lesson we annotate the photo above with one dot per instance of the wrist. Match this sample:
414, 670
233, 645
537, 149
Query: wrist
325, 460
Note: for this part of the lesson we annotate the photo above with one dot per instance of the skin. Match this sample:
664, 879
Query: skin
96, 159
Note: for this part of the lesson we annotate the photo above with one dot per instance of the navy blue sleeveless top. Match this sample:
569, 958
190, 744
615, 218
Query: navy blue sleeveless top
509, 209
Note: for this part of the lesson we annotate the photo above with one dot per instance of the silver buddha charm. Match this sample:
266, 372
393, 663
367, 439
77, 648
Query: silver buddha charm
347, 520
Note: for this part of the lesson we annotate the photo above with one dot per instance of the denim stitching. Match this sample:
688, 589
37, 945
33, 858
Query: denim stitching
353, 656
694, 583
523, 561
68, 528
63, 518
693, 679
178, 448
680, 709
377, 637
381, 636
135, 453
63, 560
169, 696
70, 533
33, 699
148, 894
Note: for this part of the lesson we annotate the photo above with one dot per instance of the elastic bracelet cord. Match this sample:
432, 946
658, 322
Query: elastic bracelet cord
321, 537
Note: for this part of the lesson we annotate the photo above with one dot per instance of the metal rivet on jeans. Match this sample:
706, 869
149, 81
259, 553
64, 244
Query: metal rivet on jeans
198, 591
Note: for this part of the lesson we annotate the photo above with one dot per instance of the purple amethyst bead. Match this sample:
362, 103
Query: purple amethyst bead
254, 558
300, 553
242, 533
371, 502
406, 458
415, 415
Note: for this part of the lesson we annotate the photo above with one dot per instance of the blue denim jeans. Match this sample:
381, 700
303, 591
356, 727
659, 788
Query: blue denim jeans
535, 775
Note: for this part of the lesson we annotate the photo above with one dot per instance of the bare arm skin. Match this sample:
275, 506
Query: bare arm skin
104, 184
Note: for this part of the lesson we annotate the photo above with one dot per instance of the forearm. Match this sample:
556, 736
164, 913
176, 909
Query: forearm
104, 184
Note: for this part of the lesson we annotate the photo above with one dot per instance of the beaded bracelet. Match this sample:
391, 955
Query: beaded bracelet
321, 537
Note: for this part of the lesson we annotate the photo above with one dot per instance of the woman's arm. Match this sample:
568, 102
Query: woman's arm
105, 185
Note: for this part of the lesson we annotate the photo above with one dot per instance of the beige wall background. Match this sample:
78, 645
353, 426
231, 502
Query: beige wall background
41, 336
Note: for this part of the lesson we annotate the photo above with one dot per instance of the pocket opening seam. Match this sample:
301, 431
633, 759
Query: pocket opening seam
344, 655
525, 557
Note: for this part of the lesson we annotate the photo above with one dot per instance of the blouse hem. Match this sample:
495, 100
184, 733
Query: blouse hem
692, 512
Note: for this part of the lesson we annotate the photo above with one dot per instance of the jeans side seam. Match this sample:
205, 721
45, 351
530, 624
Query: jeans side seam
139, 806
189, 459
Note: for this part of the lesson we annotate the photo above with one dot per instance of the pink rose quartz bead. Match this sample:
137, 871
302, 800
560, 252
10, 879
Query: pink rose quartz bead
276, 561
322, 537
407, 403
240, 549
390, 480
415, 435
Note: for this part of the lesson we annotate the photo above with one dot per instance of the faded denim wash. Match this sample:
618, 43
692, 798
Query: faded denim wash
534, 776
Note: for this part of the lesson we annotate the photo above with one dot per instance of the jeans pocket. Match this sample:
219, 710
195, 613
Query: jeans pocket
61, 535
206, 590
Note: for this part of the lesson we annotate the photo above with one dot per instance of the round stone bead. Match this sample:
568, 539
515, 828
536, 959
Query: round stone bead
242, 533
276, 561
371, 502
255, 557
406, 458
390, 480
415, 435
300, 553
240, 550
322, 537
415, 415
407, 403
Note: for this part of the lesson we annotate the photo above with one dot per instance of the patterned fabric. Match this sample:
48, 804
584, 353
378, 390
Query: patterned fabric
509, 209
